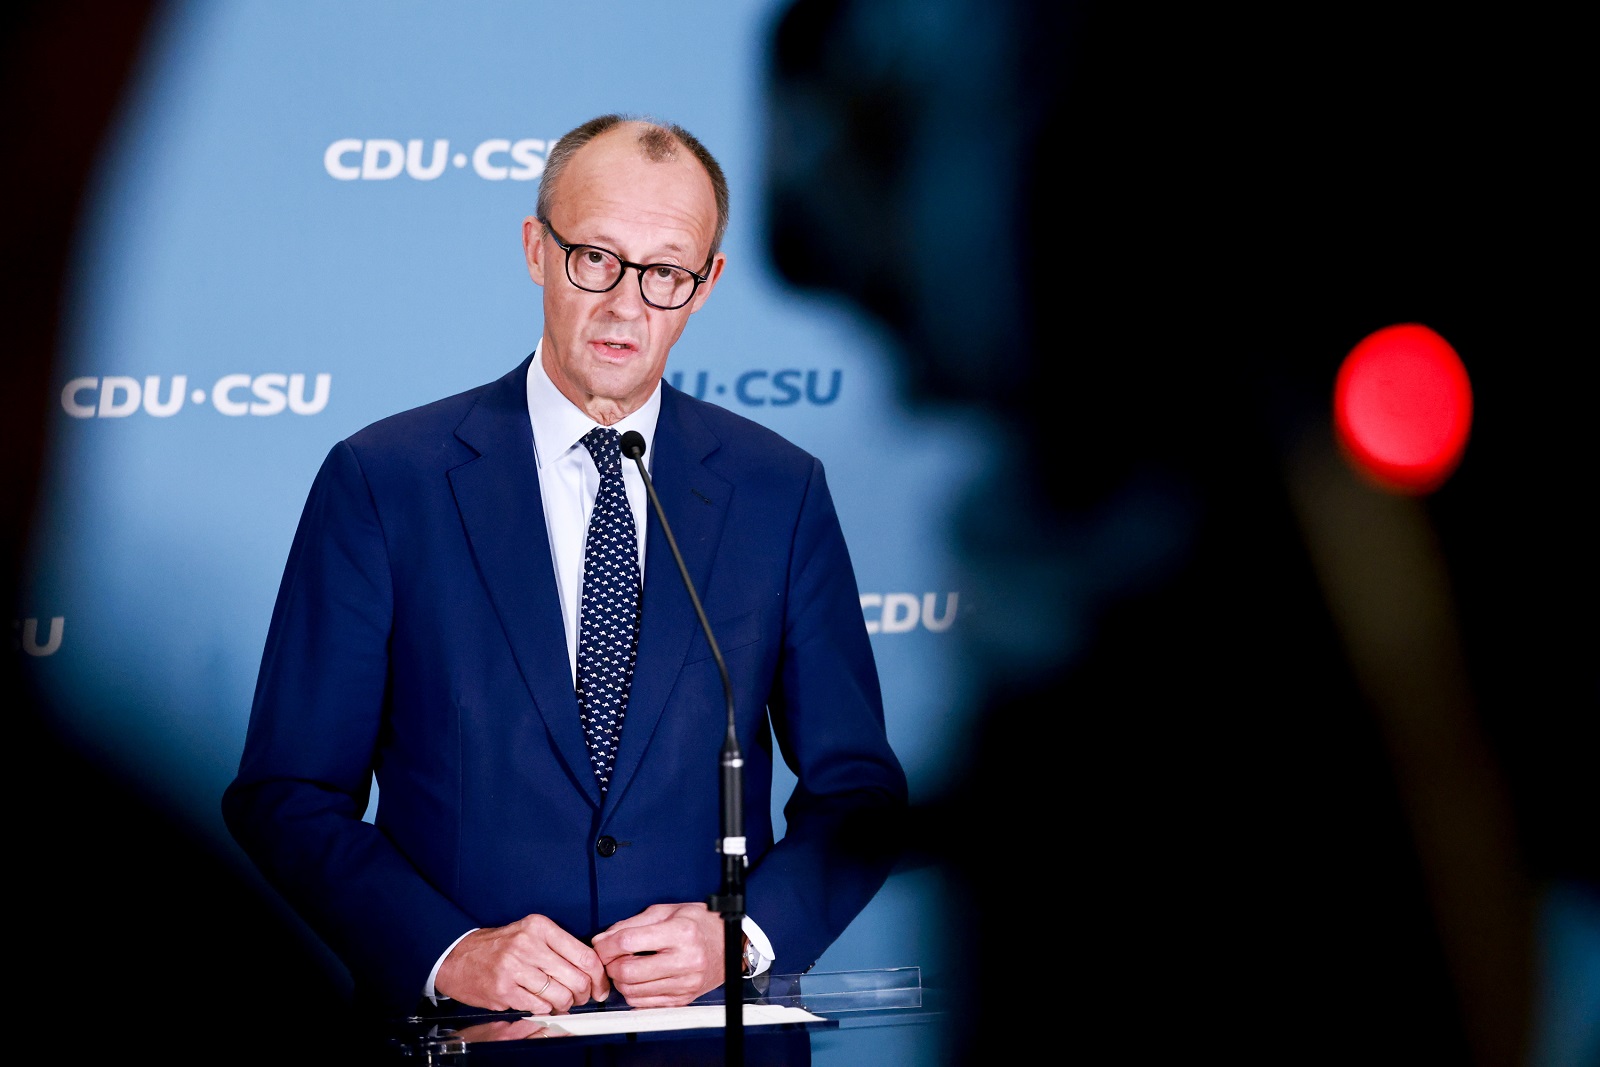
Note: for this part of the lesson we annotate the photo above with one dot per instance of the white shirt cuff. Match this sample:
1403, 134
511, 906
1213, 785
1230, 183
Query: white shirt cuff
762, 946
428, 990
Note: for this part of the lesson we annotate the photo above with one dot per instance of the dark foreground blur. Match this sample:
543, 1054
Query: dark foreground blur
1273, 764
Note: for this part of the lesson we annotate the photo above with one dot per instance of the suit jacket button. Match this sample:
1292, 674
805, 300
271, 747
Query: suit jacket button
606, 846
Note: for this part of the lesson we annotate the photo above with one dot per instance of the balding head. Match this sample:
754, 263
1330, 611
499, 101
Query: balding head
658, 142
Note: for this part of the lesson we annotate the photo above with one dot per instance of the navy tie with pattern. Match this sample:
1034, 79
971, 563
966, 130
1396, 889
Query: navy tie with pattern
608, 621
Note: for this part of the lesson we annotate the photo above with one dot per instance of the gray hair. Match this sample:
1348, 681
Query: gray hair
658, 141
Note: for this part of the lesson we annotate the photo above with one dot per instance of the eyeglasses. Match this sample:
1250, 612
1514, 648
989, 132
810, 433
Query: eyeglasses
665, 286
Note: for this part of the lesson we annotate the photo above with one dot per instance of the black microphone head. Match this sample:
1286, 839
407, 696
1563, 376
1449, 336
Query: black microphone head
633, 444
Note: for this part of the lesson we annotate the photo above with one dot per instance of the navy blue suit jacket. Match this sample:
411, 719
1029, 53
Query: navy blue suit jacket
417, 634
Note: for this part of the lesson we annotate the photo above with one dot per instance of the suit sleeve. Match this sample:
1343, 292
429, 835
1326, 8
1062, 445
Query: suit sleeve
305, 776
846, 818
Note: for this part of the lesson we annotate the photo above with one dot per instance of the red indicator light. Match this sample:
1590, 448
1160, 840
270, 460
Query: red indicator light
1402, 407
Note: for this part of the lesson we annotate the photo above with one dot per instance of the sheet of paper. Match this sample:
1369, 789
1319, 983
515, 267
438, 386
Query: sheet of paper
693, 1017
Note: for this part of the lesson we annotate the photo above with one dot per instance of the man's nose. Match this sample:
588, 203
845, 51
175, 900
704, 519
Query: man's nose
627, 296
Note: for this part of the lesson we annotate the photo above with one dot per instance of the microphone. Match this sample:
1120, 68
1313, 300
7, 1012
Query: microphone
730, 901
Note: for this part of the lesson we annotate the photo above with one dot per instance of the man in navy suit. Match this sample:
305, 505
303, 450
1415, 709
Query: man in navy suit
427, 632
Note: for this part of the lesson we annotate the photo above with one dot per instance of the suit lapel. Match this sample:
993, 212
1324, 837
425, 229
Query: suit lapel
503, 516
696, 501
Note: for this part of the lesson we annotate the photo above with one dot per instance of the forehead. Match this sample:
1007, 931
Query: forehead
611, 192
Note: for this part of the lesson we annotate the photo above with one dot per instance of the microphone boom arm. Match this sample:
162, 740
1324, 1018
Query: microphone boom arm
730, 901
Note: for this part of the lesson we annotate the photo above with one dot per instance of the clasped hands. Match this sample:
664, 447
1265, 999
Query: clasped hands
665, 956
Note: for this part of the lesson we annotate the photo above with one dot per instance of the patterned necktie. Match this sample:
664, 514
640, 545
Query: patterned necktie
608, 622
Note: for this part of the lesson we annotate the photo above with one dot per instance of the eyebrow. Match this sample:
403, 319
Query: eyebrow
605, 241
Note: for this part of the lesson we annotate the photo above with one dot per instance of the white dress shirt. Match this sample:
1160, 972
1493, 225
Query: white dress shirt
569, 480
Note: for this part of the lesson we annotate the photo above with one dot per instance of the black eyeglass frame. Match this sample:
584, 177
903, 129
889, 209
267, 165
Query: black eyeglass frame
699, 278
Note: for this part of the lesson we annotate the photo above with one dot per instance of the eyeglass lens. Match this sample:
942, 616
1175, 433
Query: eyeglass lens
596, 270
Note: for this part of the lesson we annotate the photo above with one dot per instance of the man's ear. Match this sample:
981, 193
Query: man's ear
533, 248
704, 292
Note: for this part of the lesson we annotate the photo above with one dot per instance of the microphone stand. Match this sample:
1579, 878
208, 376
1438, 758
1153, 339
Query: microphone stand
730, 899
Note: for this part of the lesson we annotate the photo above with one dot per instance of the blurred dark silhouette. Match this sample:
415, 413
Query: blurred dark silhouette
1277, 765
126, 908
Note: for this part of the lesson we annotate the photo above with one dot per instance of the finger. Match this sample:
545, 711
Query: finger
649, 916
563, 946
570, 963
609, 945
633, 941
585, 976
608, 950
636, 967
600, 982
561, 996
587, 981
663, 992
543, 994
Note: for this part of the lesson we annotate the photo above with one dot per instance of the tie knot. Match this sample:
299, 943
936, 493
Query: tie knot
602, 443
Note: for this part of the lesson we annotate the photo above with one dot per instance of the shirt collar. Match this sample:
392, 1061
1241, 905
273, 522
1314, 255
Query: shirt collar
558, 423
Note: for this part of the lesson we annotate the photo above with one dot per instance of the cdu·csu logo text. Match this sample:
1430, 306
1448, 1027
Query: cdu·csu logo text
757, 388
898, 613
379, 159
26, 637
117, 396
